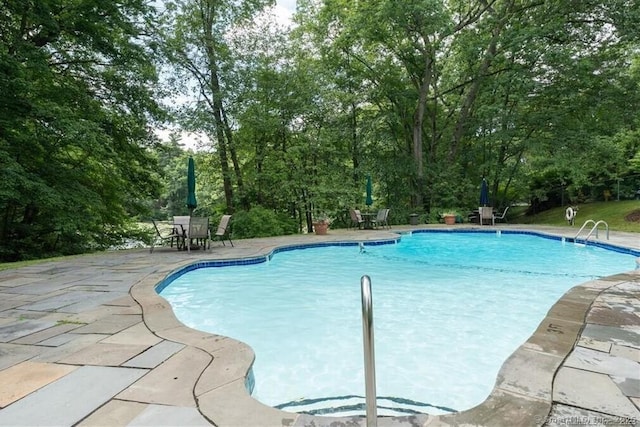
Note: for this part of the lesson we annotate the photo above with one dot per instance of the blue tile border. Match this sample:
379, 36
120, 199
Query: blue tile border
263, 258
602, 245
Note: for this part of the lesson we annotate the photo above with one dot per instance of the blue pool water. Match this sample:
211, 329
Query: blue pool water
449, 309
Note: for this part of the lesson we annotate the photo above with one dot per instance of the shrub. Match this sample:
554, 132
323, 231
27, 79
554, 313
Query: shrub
261, 222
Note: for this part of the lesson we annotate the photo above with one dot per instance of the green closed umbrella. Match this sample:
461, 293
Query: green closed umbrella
369, 200
191, 186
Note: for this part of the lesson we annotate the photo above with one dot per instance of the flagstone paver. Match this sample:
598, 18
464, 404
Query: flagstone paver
605, 363
19, 380
97, 298
172, 382
102, 354
629, 386
585, 389
114, 413
12, 354
110, 324
594, 344
54, 331
69, 399
626, 352
155, 355
87, 341
137, 334
23, 327
77, 343
11, 281
7, 304
613, 335
60, 301
169, 416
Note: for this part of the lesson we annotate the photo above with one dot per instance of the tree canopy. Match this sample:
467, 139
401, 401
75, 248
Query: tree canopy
77, 82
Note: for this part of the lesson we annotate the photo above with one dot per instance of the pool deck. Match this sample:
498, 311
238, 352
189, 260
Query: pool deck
86, 341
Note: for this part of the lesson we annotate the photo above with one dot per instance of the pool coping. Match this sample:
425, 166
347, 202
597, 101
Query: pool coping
522, 395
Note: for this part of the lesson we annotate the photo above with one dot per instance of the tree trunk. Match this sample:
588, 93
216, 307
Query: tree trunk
472, 93
418, 121
215, 102
244, 200
354, 145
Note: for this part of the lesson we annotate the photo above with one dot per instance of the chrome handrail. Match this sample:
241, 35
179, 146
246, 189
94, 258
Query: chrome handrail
582, 228
594, 228
369, 352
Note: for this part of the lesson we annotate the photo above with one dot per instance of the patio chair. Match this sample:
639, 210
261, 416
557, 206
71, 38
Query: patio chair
223, 229
356, 218
486, 213
181, 224
381, 219
198, 232
502, 216
160, 238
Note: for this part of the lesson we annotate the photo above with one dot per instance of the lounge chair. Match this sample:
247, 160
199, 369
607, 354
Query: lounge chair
160, 238
223, 229
198, 232
502, 216
486, 213
381, 219
356, 218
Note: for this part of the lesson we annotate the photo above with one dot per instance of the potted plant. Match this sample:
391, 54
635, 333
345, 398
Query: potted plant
449, 217
321, 225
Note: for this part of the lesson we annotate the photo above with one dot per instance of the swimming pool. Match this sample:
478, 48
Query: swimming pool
501, 286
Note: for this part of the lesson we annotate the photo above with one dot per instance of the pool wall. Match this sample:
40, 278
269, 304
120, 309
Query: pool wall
522, 395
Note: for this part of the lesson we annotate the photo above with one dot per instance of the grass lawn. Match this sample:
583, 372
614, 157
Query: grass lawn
617, 214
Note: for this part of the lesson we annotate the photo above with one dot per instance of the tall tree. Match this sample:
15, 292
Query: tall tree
77, 80
196, 34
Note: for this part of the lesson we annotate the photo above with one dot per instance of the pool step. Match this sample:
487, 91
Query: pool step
351, 405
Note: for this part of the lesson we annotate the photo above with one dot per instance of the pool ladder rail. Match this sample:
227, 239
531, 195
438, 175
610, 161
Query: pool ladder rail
594, 228
369, 352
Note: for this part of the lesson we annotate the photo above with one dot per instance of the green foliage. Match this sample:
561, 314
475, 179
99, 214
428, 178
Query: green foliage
433, 217
427, 99
76, 79
261, 222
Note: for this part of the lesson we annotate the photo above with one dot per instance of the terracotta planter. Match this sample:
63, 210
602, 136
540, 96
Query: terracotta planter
449, 219
320, 228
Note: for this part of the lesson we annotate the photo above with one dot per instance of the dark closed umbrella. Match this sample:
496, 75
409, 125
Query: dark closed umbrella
369, 200
191, 186
484, 193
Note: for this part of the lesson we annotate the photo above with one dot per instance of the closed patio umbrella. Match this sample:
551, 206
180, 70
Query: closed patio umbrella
369, 200
191, 186
484, 193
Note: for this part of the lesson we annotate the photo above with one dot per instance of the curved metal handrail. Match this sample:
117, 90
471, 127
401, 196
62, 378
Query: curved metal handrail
369, 358
594, 228
582, 228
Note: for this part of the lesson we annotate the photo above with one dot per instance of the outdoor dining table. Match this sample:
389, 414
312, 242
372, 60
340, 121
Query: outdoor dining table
368, 218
